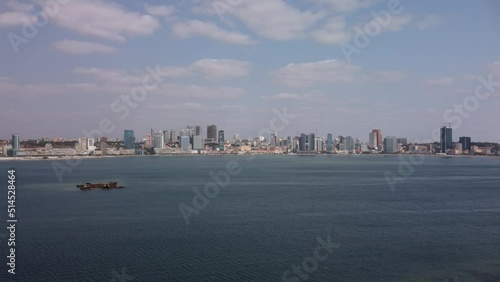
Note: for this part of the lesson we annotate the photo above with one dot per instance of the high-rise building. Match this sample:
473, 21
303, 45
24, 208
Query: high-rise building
15, 145
349, 144
166, 136
446, 139
391, 145
379, 137
184, 143
312, 142
198, 142
173, 136
149, 141
236, 139
329, 143
466, 143
212, 133
158, 140
15, 142
221, 140
302, 142
198, 130
129, 139
182, 133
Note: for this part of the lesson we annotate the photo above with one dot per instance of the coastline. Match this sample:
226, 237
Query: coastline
59, 158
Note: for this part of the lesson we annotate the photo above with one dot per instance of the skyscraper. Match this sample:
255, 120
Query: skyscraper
198, 142
173, 136
391, 145
15, 142
158, 140
198, 130
372, 141
184, 142
329, 143
302, 142
466, 143
312, 142
379, 137
129, 139
349, 144
212, 133
446, 139
221, 140
166, 136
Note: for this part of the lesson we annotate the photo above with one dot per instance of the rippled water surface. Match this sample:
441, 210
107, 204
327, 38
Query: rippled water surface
442, 223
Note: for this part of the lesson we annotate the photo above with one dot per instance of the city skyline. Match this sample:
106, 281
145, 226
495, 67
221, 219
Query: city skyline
240, 75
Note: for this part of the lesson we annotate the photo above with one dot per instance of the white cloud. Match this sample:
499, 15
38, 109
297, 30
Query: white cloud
20, 7
195, 27
104, 19
216, 69
333, 32
161, 11
83, 48
274, 19
306, 74
397, 23
444, 81
428, 22
10, 19
386, 76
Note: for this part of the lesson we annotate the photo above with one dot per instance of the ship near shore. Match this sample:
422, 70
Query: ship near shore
89, 186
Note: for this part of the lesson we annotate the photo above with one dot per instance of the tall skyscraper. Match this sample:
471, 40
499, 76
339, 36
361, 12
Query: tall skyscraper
349, 144
221, 140
173, 136
198, 142
15, 142
466, 143
184, 143
129, 139
312, 142
372, 140
15, 145
329, 143
198, 130
158, 140
212, 133
391, 145
379, 138
446, 139
166, 136
302, 142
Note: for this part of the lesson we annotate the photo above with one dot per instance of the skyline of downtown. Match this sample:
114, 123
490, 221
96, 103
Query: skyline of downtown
240, 75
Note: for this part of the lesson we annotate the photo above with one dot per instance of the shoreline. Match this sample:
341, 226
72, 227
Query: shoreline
57, 158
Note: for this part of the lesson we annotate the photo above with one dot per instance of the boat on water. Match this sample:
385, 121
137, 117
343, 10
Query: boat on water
89, 186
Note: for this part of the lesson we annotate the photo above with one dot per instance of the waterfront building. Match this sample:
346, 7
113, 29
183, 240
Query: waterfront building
329, 143
311, 142
184, 143
198, 142
166, 136
446, 139
466, 143
158, 140
349, 144
302, 142
212, 133
129, 139
221, 140
403, 141
391, 145
173, 136
379, 137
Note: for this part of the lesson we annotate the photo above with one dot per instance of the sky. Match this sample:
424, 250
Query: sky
69, 67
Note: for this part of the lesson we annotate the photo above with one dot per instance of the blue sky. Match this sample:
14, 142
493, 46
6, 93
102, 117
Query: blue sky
230, 63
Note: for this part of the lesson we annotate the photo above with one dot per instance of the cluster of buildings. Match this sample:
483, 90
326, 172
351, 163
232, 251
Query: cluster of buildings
192, 140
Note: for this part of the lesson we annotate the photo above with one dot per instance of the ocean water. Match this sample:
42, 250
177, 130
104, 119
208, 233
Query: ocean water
442, 223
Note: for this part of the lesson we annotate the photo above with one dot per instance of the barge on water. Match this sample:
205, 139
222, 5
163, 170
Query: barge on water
89, 186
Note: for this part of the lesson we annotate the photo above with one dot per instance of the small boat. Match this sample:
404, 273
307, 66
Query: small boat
89, 186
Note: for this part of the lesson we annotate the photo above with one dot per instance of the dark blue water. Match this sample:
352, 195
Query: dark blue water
442, 222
